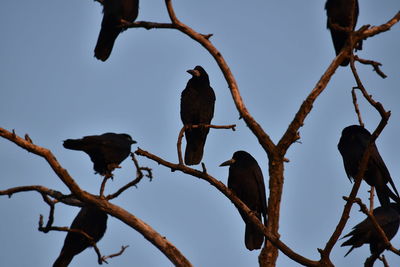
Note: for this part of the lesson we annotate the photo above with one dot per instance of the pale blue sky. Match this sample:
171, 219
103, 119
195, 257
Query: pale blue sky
53, 88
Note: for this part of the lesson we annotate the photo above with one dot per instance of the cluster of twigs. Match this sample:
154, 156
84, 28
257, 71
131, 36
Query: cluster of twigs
52, 197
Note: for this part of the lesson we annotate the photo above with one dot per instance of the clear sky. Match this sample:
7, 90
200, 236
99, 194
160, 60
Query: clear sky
53, 88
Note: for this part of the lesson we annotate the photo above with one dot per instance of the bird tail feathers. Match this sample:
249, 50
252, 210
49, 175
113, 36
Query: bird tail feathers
74, 144
195, 141
253, 238
105, 42
63, 260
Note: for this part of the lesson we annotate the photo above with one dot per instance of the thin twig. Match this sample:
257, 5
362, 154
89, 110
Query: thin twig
374, 64
371, 198
123, 248
66, 199
356, 108
384, 261
103, 184
194, 126
134, 182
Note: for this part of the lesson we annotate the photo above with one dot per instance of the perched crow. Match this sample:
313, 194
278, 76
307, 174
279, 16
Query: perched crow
352, 145
388, 219
90, 220
106, 151
115, 13
343, 13
197, 107
246, 180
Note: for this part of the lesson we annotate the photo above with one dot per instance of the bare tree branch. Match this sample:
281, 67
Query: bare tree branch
139, 176
235, 200
363, 163
356, 108
193, 126
66, 199
166, 247
378, 228
374, 64
123, 248
367, 33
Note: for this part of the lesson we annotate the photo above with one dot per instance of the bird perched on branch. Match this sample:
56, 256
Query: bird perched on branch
197, 107
342, 13
106, 151
365, 232
116, 13
352, 144
90, 220
247, 182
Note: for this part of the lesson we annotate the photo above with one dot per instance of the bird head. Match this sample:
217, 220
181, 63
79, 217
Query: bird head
129, 138
238, 156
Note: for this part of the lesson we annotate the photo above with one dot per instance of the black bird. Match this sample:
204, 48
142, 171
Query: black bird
247, 182
90, 220
197, 107
352, 144
116, 12
343, 13
388, 219
106, 151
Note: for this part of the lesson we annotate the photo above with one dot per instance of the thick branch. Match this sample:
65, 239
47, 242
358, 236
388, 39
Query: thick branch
363, 163
169, 250
66, 199
48, 156
262, 136
381, 28
235, 200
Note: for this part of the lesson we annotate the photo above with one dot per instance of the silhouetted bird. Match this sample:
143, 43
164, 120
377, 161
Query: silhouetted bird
90, 220
343, 13
388, 219
247, 182
197, 107
352, 144
115, 13
106, 151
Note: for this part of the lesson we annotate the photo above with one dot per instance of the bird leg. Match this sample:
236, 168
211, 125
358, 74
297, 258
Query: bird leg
112, 166
124, 24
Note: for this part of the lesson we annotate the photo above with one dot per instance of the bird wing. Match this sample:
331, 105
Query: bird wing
261, 189
377, 160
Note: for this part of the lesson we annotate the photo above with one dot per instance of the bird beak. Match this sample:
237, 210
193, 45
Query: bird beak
194, 73
133, 142
227, 163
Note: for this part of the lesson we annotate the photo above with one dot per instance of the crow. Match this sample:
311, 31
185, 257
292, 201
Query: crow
106, 151
116, 13
197, 108
388, 219
90, 220
343, 13
246, 181
352, 144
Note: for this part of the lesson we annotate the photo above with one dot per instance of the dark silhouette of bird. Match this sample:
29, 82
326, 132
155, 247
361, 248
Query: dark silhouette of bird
246, 181
197, 108
106, 151
116, 13
365, 232
90, 220
352, 144
343, 13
